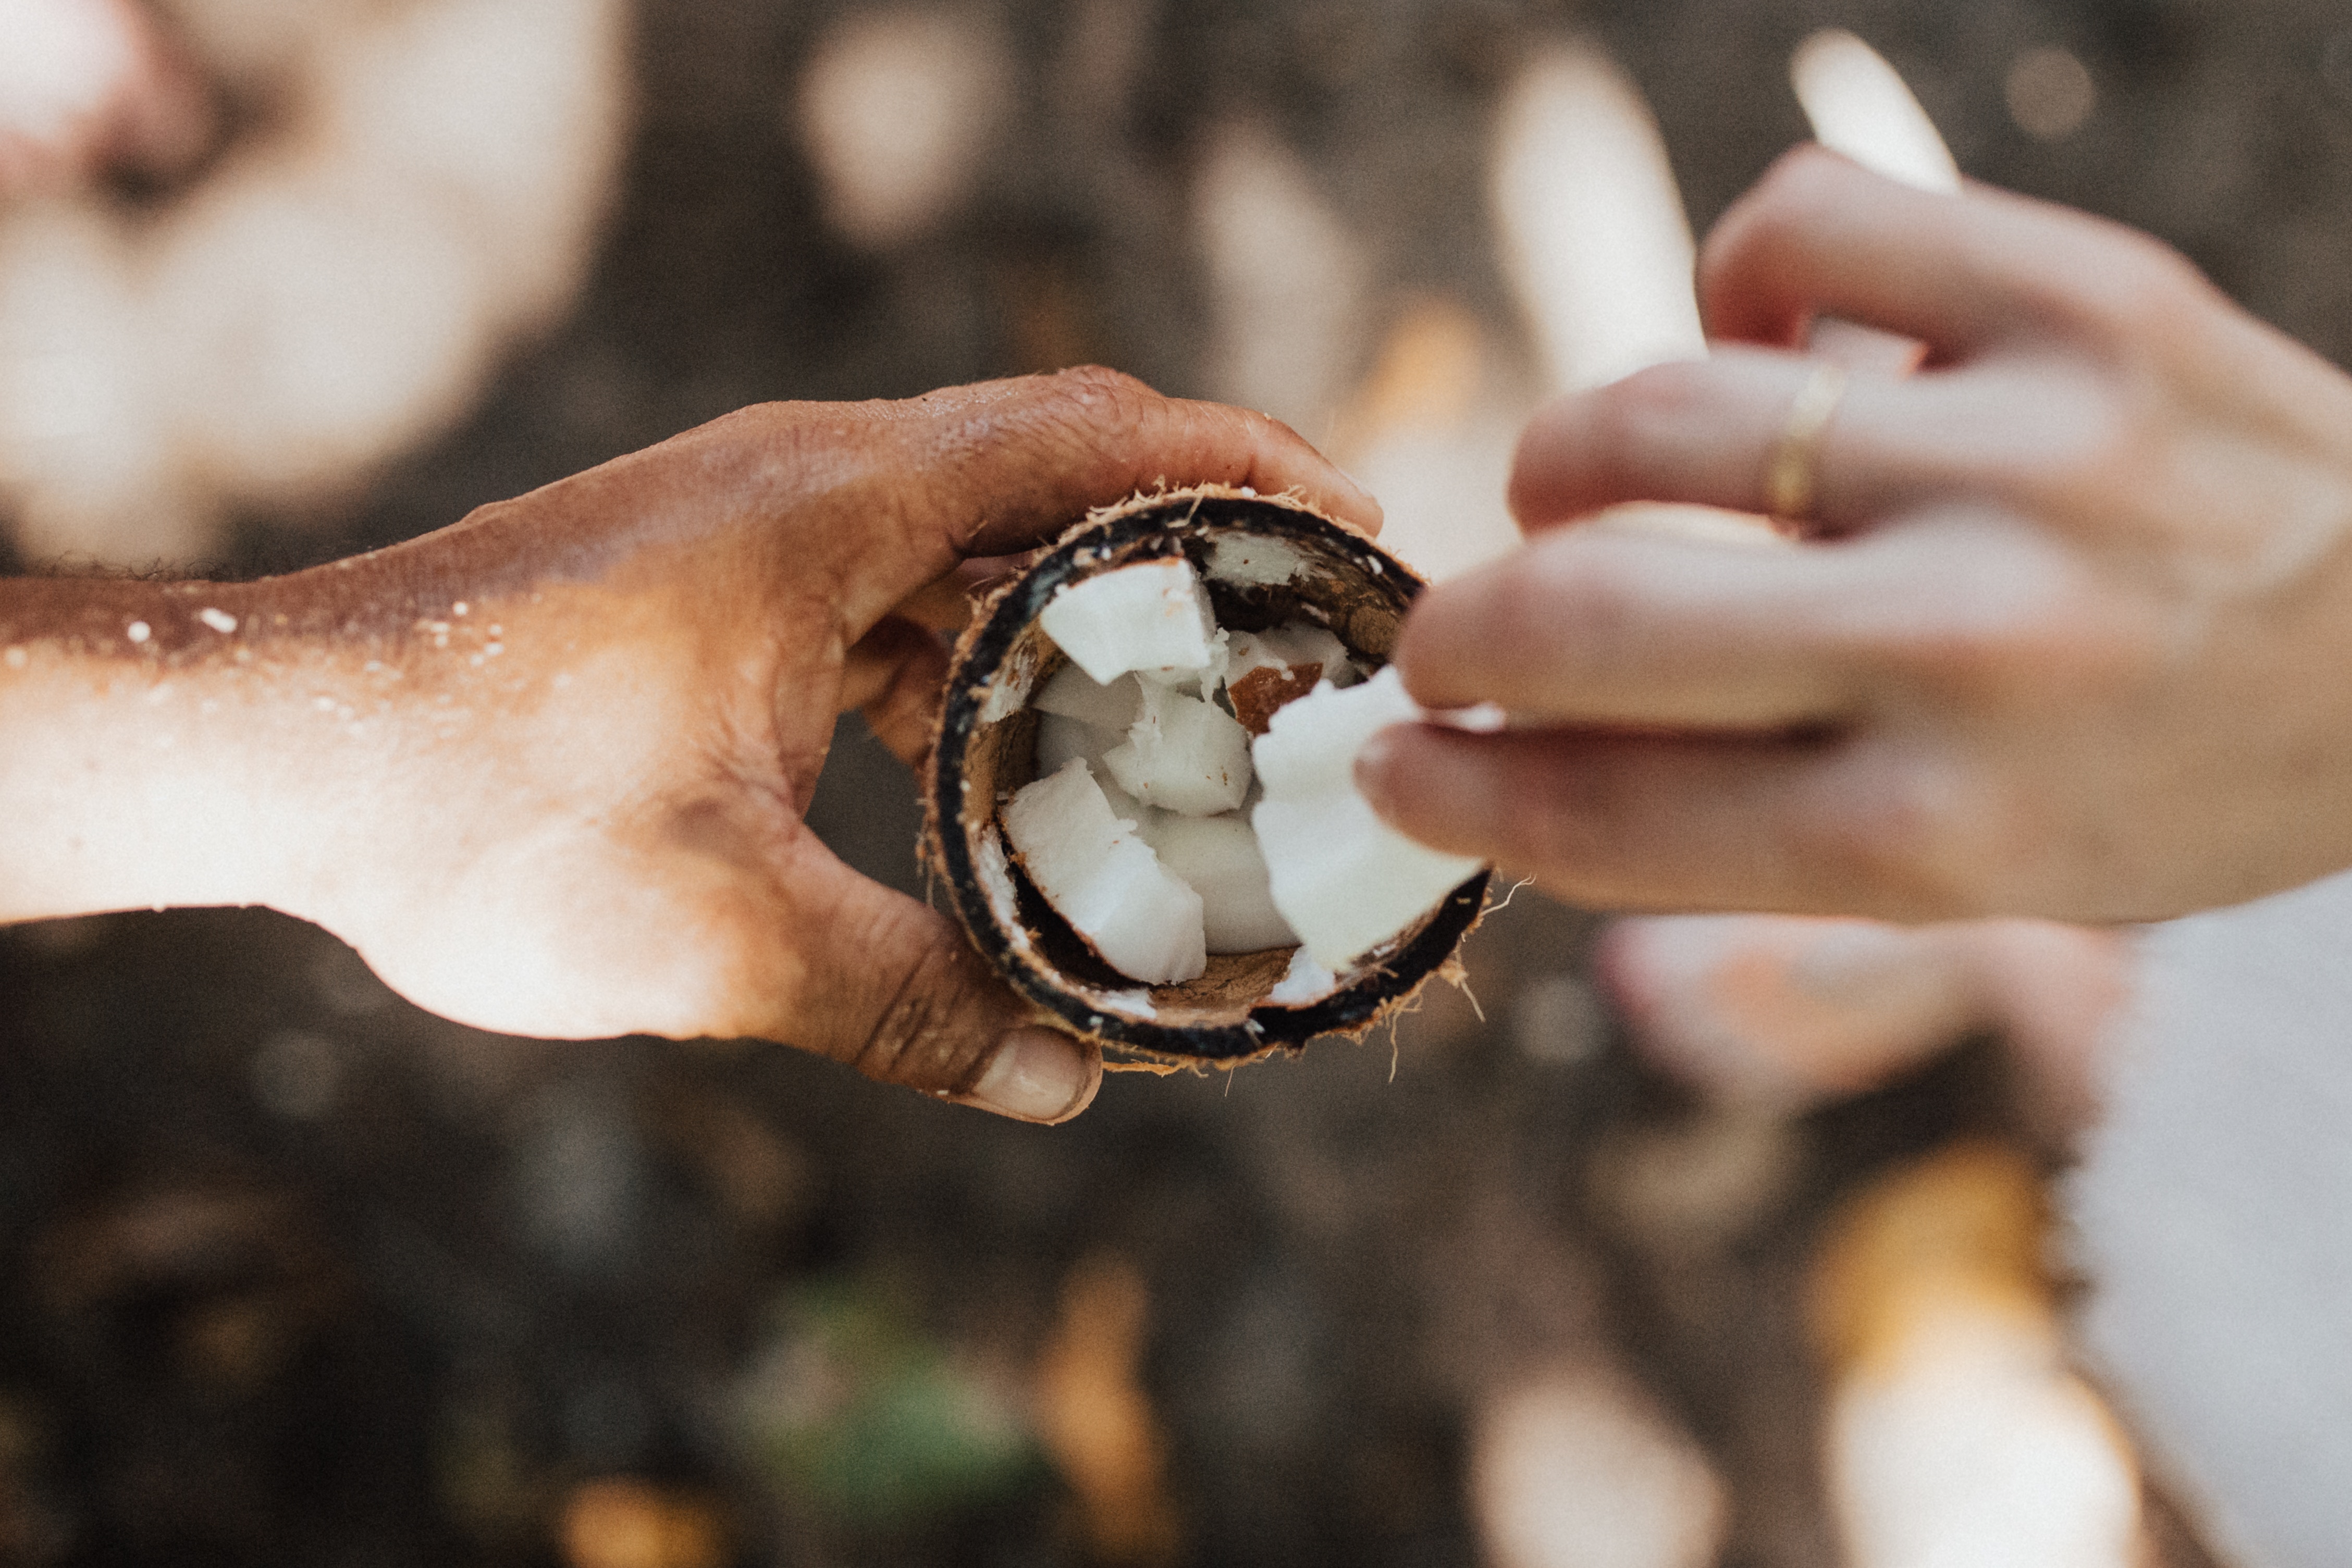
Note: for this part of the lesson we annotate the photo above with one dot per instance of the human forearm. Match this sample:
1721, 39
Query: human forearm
482, 758
357, 744
184, 743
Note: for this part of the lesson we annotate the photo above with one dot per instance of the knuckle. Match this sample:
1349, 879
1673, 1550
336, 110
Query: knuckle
1098, 377
1612, 442
1561, 813
1558, 841
1089, 409
2088, 451
1665, 391
2026, 628
1089, 402
2149, 286
2059, 653
1884, 833
1802, 186
1554, 452
1093, 393
1628, 423
1984, 644
1963, 657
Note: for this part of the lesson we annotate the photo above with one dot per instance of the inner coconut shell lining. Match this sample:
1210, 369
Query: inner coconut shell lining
985, 748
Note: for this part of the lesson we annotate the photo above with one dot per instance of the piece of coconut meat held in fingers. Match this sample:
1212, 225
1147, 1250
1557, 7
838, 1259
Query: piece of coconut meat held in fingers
1097, 803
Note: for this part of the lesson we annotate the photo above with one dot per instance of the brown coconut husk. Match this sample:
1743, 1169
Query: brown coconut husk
985, 748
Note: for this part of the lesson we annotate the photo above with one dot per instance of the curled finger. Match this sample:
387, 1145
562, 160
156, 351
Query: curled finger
1721, 432
1003, 466
1819, 236
893, 679
1000, 466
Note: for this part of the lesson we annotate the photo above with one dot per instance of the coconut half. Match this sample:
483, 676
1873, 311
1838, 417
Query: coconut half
1164, 733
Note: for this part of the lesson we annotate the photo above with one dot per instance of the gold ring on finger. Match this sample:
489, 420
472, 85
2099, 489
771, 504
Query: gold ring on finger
1792, 476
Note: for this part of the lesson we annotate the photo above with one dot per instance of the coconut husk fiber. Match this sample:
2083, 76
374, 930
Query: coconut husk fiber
985, 748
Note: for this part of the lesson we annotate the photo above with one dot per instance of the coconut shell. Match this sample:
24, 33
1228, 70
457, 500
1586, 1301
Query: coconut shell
985, 748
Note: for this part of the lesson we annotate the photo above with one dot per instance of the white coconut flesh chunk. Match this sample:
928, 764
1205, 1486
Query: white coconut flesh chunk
1183, 755
1202, 682
1346, 881
1080, 717
1304, 981
1061, 737
1103, 878
1146, 794
1152, 616
1219, 859
1253, 558
1073, 693
1290, 646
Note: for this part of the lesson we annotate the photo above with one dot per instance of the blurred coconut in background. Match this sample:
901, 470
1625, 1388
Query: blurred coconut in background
272, 246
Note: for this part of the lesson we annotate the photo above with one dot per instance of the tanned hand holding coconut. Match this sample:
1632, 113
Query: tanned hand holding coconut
1142, 793
545, 769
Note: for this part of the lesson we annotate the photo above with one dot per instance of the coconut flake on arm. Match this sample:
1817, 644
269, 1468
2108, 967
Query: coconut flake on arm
1345, 879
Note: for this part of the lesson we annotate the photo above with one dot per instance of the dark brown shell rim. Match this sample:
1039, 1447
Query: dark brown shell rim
1149, 529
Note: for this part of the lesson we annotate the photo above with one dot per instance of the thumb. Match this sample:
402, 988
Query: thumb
891, 987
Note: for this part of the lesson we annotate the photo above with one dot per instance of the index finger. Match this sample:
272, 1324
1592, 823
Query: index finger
1009, 463
999, 466
1819, 236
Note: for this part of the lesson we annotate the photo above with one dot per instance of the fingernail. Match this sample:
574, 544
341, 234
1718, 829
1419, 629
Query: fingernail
1037, 1076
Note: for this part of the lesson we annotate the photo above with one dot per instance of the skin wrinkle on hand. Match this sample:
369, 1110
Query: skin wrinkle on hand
525, 713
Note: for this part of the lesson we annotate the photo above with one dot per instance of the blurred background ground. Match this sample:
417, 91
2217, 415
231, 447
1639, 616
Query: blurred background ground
296, 1274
